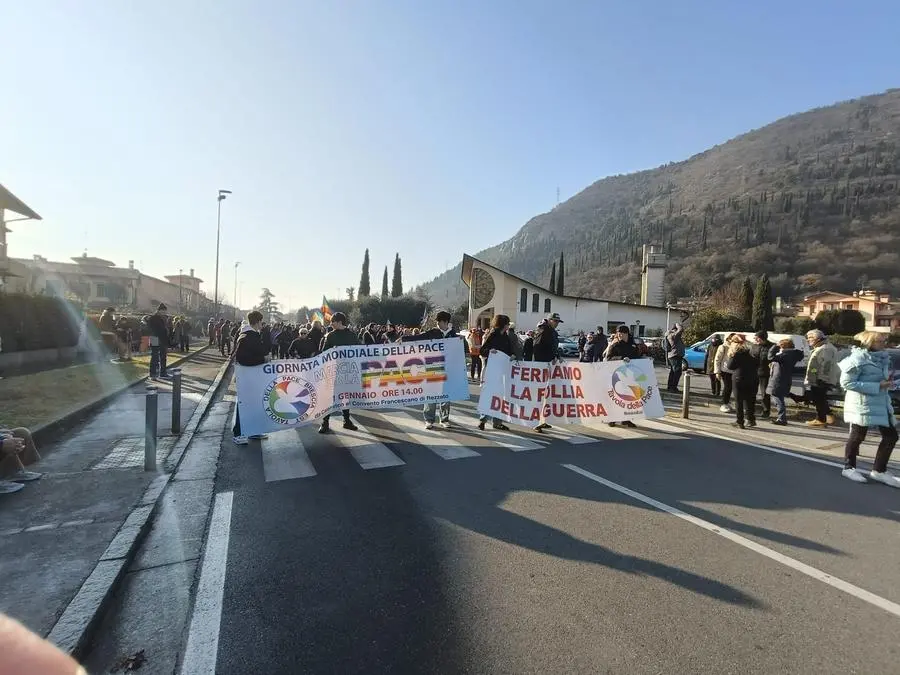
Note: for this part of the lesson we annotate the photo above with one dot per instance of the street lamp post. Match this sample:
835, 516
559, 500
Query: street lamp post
236, 308
180, 291
222, 195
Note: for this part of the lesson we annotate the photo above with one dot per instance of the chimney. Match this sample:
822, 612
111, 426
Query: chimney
131, 264
192, 273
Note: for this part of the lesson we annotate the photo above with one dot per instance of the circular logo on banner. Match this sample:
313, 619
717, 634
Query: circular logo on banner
288, 399
629, 384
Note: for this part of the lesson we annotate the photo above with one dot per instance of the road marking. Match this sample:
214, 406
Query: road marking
659, 426
442, 446
824, 577
514, 441
569, 435
202, 649
623, 433
285, 458
368, 453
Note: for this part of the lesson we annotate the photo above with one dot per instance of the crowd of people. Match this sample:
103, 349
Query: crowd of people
121, 335
762, 372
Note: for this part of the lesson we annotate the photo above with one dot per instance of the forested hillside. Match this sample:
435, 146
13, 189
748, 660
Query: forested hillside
812, 200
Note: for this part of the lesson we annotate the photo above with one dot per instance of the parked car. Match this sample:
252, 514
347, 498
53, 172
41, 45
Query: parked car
568, 347
695, 355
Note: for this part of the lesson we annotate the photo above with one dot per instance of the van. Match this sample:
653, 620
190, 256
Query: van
695, 355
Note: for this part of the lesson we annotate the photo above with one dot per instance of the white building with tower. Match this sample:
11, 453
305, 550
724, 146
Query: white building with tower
493, 291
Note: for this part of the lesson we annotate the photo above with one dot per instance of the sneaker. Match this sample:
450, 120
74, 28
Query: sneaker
446, 425
481, 426
855, 475
324, 429
629, 424
501, 427
349, 426
8, 487
737, 425
258, 437
429, 425
878, 476
765, 416
751, 424
240, 440
829, 419
23, 476
780, 423
725, 408
816, 424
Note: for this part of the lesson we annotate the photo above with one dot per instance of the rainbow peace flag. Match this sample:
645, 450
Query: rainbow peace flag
326, 310
317, 316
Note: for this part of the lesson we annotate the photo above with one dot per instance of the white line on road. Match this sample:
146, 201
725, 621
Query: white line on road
441, 445
368, 452
203, 637
824, 577
514, 441
285, 458
768, 448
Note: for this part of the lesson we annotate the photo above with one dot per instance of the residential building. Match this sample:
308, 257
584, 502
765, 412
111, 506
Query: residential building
99, 283
493, 291
878, 309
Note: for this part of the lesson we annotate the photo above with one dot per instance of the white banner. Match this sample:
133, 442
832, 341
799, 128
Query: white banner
290, 393
529, 393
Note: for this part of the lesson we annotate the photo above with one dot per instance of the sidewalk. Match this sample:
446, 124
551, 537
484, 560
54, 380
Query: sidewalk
827, 444
54, 532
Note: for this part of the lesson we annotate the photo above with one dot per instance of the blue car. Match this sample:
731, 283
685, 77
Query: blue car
695, 356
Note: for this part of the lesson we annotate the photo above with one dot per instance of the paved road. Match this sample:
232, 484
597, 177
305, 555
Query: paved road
404, 551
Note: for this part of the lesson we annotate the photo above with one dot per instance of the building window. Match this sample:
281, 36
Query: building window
546, 305
101, 290
535, 303
523, 300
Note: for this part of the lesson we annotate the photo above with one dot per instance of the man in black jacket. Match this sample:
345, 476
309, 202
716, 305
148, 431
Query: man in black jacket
341, 336
249, 350
302, 347
316, 334
546, 347
159, 342
443, 330
760, 351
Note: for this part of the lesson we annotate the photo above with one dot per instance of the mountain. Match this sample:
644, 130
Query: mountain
813, 200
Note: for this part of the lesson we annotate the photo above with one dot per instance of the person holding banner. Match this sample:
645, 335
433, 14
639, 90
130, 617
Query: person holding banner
622, 348
340, 336
496, 340
249, 350
443, 330
546, 347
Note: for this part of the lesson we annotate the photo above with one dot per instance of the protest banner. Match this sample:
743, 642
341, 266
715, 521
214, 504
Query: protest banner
529, 393
290, 393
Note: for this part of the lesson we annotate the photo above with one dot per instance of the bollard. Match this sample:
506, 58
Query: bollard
176, 400
686, 396
150, 428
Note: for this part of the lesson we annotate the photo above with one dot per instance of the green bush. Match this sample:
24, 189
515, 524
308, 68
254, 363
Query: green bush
29, 322
840, 321
797, 326
711, 320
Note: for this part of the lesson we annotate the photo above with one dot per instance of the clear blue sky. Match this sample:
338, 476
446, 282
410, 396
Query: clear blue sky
430, 127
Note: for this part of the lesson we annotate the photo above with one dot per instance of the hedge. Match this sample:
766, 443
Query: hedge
29, 322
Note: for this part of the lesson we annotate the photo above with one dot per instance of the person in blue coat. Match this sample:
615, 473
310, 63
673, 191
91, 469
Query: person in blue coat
866, 377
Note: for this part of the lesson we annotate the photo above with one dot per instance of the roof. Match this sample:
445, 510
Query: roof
467, 257
12, 203
821, 293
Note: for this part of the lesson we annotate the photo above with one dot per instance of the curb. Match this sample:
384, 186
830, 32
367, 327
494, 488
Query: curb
48, 433
74, 629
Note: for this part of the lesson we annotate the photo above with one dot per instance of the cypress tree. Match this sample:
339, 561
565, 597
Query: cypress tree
553, 279
397, 281
561, 276
746, 302
763, 318
364, 285
384, 286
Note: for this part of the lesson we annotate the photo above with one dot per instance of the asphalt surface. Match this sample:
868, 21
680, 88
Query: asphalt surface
513, 560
